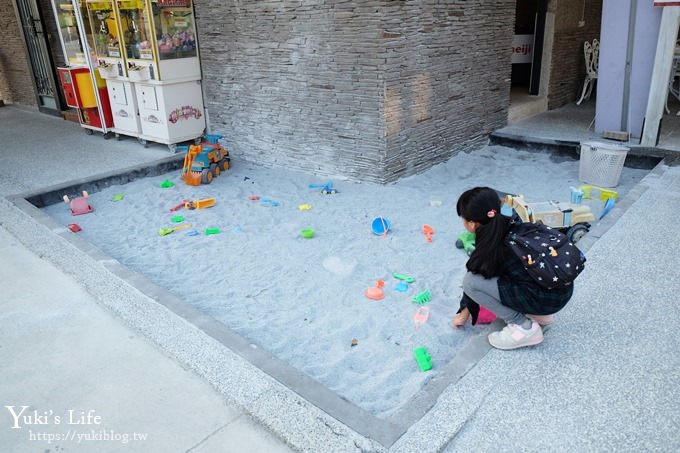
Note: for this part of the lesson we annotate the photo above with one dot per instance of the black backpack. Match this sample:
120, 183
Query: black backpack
548, 255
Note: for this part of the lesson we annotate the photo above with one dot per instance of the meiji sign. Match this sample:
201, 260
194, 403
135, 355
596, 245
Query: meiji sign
522, 48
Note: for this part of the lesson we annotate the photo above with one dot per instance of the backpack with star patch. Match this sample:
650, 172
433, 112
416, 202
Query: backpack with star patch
548, 255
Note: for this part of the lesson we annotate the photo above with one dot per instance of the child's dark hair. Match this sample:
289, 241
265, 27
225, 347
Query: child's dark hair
483, 205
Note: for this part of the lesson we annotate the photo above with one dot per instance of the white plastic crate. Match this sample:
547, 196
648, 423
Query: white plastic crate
601, 163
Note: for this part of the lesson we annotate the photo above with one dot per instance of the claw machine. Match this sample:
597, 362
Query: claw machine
160, 48
83, 88
107, 29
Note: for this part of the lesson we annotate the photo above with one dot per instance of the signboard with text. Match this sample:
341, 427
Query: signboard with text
522, 48
175, 3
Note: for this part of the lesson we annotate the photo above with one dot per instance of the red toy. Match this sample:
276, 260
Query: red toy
79, 205
485, 316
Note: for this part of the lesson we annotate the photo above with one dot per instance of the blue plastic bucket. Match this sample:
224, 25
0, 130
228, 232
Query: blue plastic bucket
380, 226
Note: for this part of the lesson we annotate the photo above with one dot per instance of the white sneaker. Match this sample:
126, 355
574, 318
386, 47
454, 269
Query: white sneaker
514, 336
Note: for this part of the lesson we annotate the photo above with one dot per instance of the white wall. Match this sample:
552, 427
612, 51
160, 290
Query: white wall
646, 35
611, 85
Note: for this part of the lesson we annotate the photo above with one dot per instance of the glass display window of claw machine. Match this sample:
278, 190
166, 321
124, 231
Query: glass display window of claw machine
159, 40
83, 89
176, 39
137, 39
106, 38
175, 27
69, 33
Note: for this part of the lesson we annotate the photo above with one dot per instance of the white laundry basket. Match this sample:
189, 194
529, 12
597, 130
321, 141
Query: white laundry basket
601, 163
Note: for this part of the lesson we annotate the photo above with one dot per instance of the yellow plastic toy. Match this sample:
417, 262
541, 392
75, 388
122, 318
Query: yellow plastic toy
605, 194
200, 204
572, 219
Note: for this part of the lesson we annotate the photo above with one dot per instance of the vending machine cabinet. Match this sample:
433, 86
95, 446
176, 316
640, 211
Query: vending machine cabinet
79, 90
171, 112
68, 84
124, 107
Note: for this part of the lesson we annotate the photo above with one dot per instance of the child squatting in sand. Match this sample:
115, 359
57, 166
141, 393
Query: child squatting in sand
497, 280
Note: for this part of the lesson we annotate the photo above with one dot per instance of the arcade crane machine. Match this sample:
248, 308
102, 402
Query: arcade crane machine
162, 60
106, 28
154, 65
83, 88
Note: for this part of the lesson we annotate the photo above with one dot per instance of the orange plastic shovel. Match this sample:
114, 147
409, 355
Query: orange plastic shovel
428, 231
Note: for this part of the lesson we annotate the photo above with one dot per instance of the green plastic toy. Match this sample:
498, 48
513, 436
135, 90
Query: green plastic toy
423, 358
422, 298
403, 278
209, 231
169, 230
466, 241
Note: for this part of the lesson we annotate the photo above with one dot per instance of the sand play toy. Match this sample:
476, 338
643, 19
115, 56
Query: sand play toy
466, 241
423, 358
421, 316
169, 230
269, 202
204, 162
376, 292
307, 233
485, 316
428, 231
326, 188
402, 287
79, 205
199, 204
422, 298
178, 206
403, 278
380, 226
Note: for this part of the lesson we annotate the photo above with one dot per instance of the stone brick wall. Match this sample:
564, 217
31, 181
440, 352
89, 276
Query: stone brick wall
568, 64
16, 84
371, 90
447, 78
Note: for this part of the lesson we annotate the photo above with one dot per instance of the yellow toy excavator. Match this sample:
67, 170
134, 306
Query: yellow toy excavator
205, 161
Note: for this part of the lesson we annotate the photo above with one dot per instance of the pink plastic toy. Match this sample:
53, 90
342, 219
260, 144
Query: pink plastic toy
79, 205
421, 316
485, 316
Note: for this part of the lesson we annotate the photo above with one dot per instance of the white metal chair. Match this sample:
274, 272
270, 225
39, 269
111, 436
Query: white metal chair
591, 52
674, 82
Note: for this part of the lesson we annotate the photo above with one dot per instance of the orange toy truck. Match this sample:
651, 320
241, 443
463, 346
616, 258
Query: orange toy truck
205, 161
